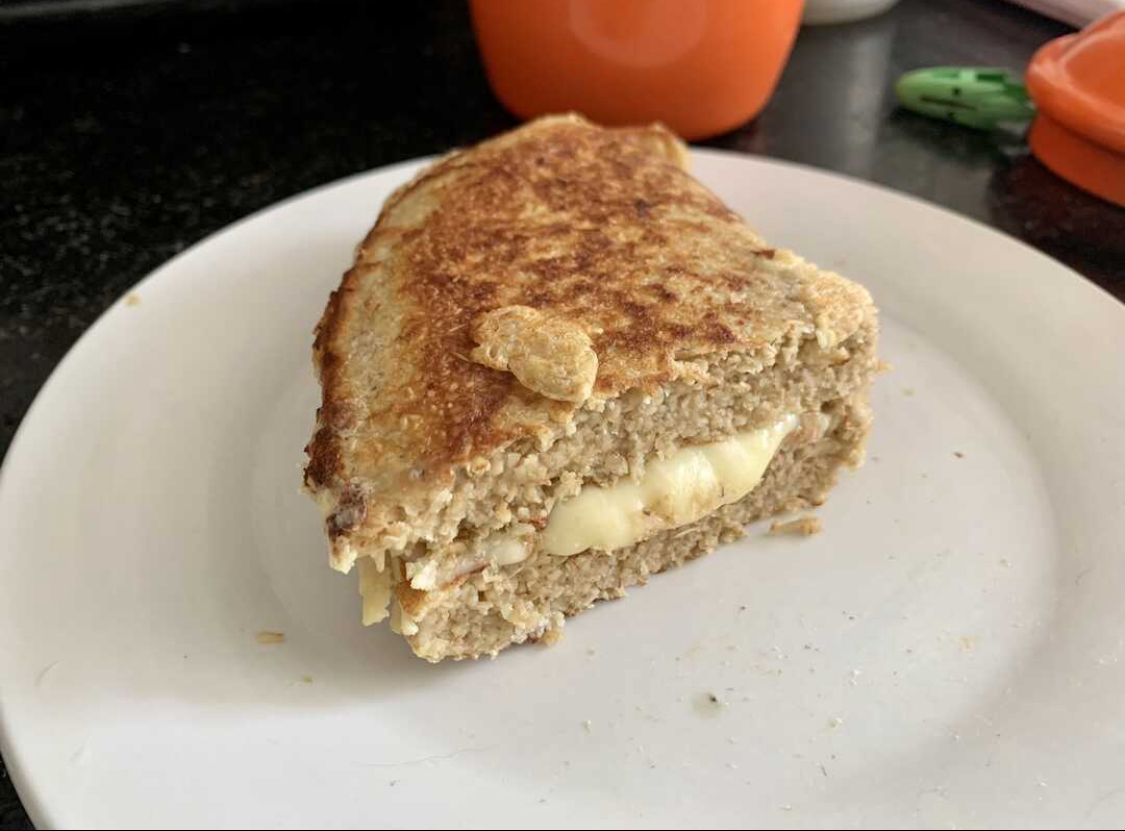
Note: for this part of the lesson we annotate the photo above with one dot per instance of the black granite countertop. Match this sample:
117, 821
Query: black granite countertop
127, 135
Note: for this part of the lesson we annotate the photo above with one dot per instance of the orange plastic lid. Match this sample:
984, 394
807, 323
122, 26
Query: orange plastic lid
1078, 83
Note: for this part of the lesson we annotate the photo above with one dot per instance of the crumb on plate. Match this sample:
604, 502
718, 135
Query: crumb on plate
804, 526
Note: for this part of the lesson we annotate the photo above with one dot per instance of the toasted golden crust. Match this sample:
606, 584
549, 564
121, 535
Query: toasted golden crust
506, 286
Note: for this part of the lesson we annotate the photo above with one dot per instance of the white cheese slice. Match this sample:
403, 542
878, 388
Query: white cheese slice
685, 487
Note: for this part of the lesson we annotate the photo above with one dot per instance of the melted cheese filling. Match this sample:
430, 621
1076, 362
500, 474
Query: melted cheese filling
375, 589
685, 487
678, 490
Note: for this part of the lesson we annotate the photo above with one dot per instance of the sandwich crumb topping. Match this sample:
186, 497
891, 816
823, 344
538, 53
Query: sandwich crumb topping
552, 357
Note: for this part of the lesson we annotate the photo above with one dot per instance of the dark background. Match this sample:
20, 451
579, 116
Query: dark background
128, 131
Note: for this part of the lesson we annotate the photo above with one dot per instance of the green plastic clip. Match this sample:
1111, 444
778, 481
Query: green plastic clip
978, 97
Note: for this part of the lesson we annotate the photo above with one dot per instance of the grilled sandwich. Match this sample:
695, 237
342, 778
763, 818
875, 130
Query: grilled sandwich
560, 365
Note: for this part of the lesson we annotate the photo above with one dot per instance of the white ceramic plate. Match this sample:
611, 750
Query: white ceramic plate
949, 653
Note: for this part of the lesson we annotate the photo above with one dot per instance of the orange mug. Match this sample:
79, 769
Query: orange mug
700, 66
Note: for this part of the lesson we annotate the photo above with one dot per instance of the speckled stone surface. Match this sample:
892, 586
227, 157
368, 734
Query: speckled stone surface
118, 149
